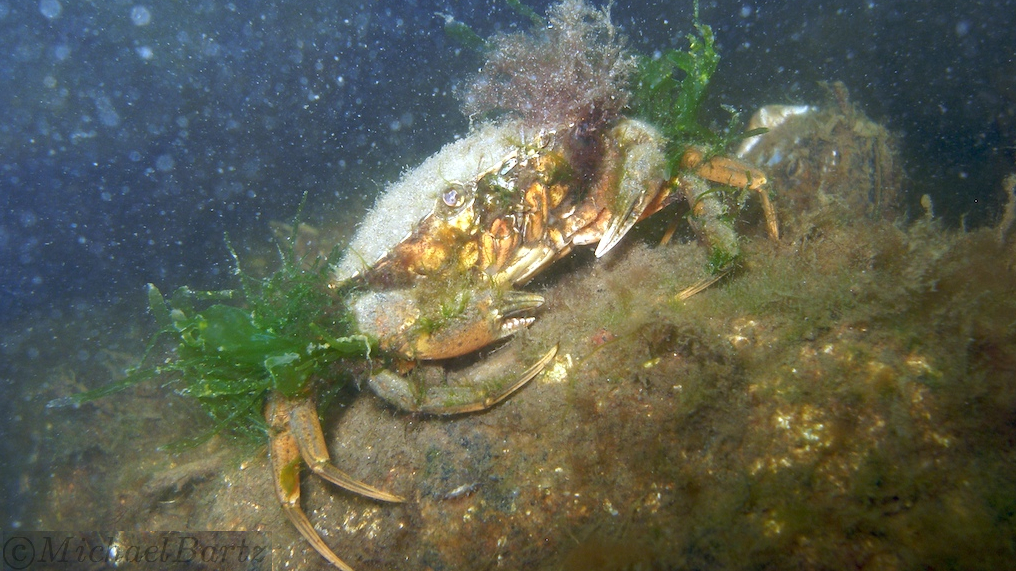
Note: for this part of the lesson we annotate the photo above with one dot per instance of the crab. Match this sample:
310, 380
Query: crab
433, 270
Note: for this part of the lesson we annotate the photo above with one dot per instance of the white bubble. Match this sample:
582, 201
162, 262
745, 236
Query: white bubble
140, 16
746, 11
145, 52
50, 8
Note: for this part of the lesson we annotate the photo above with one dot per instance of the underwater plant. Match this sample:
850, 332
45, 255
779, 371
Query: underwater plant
668, 91
285, 332
576, 67
671, 101
576, 71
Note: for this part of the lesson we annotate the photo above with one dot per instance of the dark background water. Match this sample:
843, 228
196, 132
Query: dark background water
135, 134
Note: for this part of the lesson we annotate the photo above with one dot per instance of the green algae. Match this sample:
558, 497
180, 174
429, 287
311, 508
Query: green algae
286, 332
464, 34
521, 9
669, 91
670, 103
467, 37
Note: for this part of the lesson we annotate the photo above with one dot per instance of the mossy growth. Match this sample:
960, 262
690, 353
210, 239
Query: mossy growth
570, 68
284, 333
447, 309
721, 260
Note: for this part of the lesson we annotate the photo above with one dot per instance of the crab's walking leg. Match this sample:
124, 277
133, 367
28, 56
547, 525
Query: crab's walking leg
306, 429
772, 224
286, 469
295, 436
445, 400
738, 174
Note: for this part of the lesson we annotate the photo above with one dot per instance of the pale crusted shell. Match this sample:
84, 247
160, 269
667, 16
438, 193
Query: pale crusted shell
403, 204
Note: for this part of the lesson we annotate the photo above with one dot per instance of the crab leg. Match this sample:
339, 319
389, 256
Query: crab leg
738, 174
296, 435
772, 224
305, 428
286, 468
448, 400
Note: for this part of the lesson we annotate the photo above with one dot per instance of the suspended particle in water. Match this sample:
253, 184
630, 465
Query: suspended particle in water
140, 16
164, 163
50, 9
107, 114
962, 28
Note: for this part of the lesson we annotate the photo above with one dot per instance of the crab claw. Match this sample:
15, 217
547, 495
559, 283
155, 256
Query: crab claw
632, 206
422, 325
489, 316
641, 181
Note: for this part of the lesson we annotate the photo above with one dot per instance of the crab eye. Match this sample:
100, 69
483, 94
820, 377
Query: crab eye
451, 197
456, 195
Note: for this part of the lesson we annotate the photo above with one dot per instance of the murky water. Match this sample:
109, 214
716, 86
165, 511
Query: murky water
845, 397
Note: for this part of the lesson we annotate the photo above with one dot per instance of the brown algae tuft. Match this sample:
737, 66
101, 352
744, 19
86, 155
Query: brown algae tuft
575, 69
